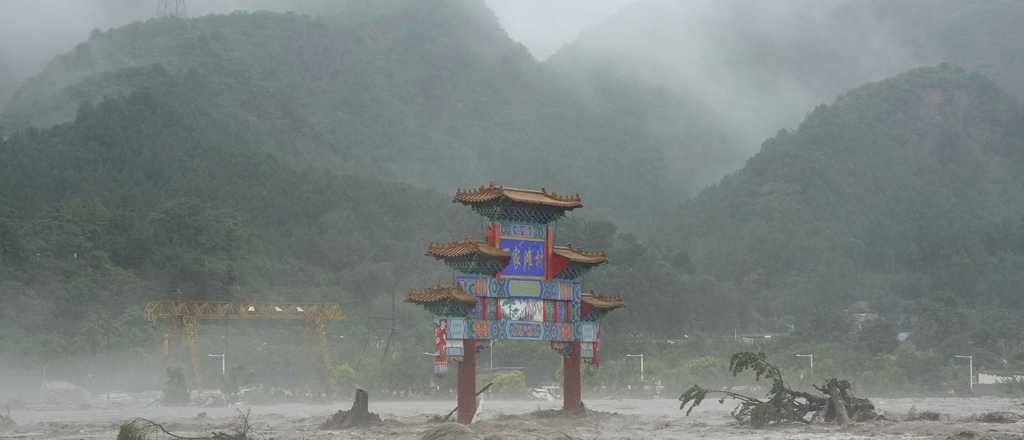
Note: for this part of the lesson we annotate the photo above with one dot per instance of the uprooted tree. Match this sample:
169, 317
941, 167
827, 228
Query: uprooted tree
784, 405
6, 422
145, 429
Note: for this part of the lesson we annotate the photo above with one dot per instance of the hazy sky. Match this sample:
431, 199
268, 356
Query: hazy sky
34, 31
545, 25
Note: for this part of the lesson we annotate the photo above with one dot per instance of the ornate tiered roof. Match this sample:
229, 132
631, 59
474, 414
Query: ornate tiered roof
464, 248
471, 256
492, 193
440, 294
500, 203
578, 256
602, 302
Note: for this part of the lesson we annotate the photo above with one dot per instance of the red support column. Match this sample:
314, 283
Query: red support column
467, 383
572, 384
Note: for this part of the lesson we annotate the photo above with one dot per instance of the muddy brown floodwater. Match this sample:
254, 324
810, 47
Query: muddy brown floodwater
504, 419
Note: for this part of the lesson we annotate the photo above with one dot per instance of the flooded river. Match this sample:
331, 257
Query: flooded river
503, 419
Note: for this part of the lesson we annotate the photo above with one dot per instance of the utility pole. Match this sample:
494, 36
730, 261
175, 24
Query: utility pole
970, 366
809, 356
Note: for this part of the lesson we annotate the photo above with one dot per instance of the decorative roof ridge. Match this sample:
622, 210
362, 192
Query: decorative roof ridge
440, 293
580, 256
581, 251
490, 192
594, 294
464, 247
600, 301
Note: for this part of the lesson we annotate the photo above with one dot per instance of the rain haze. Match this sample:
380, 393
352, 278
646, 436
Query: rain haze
469, 219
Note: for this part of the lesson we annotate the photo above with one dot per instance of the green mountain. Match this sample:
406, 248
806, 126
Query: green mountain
727, 74
262, 156
906, 194
155, 193
280, 156
428, 92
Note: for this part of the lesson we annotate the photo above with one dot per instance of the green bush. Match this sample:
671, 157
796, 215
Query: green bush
510, 383
342, 376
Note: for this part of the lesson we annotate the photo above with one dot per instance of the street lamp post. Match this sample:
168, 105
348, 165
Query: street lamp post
808, 356
223, 363
970, 366
641, 356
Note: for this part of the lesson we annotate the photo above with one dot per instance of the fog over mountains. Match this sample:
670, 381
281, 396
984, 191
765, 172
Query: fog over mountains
761, 167
738, 71
34, 31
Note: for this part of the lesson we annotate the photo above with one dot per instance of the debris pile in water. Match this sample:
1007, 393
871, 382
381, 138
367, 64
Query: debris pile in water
784, 405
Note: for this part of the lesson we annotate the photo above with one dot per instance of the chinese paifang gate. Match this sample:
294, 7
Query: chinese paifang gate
515, 284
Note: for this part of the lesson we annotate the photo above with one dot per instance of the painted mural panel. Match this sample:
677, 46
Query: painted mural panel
522, 309
525, 330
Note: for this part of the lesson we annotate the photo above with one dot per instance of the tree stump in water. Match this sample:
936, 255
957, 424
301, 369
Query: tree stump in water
838, 404
358, 415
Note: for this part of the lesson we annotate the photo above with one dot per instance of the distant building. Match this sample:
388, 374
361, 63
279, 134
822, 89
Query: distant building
998, 382
759, 338
998, 378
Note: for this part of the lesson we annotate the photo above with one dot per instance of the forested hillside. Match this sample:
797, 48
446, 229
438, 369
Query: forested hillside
155, 194
282, 156
442, 98
718, 77
906, 196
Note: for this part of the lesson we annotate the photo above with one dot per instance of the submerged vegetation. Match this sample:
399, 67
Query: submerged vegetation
784, 405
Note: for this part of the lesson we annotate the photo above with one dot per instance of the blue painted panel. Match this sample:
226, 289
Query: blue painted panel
485, 286
455, 351
457, 328
498, 287
587, 350
527, 258
586, 331
519, 330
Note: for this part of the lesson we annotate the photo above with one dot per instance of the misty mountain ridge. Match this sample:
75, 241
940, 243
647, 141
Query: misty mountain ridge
728, 74
442, 99
901, 193
155, 194
284, 156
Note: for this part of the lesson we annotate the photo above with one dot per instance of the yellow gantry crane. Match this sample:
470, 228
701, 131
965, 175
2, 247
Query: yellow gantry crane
188, 314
